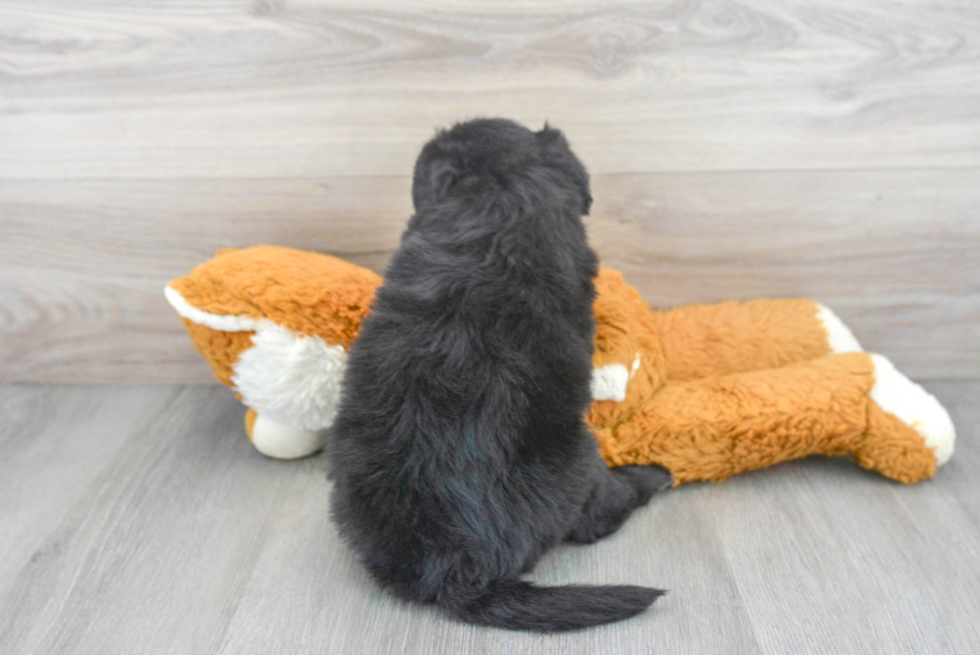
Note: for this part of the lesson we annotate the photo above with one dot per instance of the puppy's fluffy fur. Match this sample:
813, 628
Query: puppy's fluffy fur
459, 453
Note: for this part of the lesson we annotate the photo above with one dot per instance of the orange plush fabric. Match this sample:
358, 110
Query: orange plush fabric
219, 348
727, 337
732, 387
306, 292
712, 390
718, 426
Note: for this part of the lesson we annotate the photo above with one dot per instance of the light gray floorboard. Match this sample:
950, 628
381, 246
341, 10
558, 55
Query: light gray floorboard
139, 519
47, 463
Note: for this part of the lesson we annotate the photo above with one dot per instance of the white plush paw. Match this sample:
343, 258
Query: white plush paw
281, 441
839, 336
609, 382
914, 406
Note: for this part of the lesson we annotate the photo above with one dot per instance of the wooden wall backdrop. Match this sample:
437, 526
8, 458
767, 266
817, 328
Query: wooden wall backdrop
826, 148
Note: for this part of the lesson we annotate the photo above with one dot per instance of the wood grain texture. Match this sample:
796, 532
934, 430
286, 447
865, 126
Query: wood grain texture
895, 253
46, 468
106, 89
143, 516
739, 149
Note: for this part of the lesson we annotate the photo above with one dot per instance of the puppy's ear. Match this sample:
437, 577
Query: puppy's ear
433, 180
555, 147
550, 137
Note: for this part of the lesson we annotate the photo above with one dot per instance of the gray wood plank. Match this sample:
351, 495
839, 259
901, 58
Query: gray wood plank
155, 547
325, 88
45, 464
838, 561
963, 403
326, 603
178, 535
895, 253
841, 562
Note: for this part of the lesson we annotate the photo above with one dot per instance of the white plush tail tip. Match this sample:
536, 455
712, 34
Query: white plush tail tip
914, 406
839, 336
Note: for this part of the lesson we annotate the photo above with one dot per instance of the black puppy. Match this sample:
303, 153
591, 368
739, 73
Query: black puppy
459, 453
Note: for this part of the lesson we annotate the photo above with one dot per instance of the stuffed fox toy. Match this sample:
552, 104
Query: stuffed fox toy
705, 391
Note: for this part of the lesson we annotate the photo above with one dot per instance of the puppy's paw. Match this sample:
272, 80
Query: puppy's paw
647, 480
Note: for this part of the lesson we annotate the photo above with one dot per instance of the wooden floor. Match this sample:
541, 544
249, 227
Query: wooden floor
139, 519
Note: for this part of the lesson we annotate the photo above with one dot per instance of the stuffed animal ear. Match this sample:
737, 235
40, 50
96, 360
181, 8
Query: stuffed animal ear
548, 136
432, 181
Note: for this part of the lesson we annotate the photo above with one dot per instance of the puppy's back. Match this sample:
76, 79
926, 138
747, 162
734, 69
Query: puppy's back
458, 453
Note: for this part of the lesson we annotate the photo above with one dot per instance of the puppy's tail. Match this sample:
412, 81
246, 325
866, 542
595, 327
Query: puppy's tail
519, 605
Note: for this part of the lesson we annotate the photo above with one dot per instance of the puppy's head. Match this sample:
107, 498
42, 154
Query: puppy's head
498, 153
